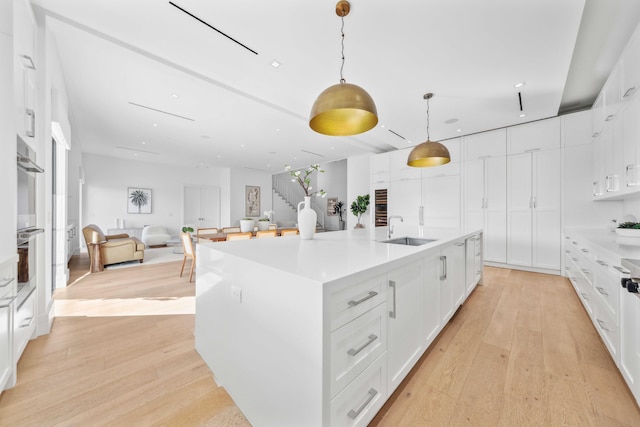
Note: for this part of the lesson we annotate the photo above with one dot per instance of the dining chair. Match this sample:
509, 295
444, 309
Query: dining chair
289, 232
230, 229
189, 252
239, 236
205, 232
265, 233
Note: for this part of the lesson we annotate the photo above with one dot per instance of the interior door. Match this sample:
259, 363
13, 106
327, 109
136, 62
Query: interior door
202, 206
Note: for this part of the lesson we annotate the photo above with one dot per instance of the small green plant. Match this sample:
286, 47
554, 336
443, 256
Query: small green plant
359, 207
264, 219
186, 229
631, 225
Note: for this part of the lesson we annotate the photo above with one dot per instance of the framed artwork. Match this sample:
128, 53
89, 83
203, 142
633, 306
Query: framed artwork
138, 200
251, 200
331, 206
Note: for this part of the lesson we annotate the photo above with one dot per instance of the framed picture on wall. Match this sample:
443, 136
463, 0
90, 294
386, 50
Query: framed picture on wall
252, 200
138, 200
331, 205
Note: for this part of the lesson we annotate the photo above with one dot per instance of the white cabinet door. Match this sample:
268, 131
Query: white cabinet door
431, 298
6, 340
546, 249
404, 199
631, 66
441, 200
630, 149
475, 194
404, 304
495, 235
630, 340
454, 272
540, 135
202, 206
519, 221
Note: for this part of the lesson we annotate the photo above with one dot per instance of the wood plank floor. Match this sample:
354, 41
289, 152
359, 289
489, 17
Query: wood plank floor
521, 351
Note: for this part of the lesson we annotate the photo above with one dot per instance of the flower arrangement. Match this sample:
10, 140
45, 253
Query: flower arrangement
305, 180
267, 216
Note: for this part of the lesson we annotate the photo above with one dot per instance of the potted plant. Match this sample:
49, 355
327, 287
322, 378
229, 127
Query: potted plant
263, 223
628, 229
337, 208
359, 207
246, 225
187, 229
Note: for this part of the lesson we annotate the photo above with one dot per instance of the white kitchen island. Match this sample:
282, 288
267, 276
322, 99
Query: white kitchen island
320, 332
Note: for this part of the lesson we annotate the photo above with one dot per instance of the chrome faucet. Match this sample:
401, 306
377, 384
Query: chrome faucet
390, 226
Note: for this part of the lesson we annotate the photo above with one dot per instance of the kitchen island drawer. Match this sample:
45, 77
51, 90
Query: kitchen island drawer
359, 402
350, 301
355, 345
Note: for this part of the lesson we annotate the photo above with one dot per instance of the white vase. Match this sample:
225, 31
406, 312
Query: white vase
307, 218
263, 225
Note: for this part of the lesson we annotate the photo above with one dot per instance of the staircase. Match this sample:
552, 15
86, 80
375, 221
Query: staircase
291, 194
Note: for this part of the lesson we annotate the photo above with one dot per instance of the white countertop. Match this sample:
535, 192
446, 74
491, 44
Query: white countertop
614, 246
333, 255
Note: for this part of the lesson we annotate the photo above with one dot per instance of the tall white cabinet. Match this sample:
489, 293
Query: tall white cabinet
533, 195
485, 190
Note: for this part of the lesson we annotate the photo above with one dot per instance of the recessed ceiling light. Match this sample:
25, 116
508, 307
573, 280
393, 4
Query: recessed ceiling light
408, 142
241, 145
155, 125
268, 166
519, 84
275, 64
458, 130
295, 158
333, 148
219, 156
381, 126
175, 95
135, 154
144, 143
522, 114
277, 129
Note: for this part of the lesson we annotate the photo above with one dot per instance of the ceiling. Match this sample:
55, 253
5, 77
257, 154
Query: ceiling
147, 81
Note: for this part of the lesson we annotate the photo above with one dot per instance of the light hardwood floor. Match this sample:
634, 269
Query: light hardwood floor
521, 351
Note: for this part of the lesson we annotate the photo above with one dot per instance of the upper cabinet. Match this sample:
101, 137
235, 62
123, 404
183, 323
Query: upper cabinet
24, 70
534, 136
486, 144
631, 66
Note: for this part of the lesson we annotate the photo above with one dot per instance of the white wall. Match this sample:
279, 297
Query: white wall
358, 185
105, 191
240, 178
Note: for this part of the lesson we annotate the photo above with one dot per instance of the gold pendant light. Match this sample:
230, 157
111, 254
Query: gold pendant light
429, 153
343, 109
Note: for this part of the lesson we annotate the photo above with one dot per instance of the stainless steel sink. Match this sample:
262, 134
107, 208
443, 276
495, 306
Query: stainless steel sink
409, 241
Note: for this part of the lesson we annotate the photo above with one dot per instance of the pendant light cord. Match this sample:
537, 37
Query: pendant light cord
428, 137
342, 80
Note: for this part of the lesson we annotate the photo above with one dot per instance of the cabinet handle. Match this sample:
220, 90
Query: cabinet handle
621, 270
392, 285
584, 270
443, 266
28, 62
460, 244
586, 251
530, 202
584, 295
535, 202
610, 117
421, 215
531, 150
6, 282
567, 251
27, 321
353, 414
602, 325
6, 302
371, 294
629, 92
602, 291
602, 263
354, 351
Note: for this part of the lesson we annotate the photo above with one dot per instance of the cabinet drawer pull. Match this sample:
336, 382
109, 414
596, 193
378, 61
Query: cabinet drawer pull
460, 244
602, 290
602, 325
621, 270
443, 266
6, 302
392, 285
354, 414
609, 117
354, 351
586, 251
27, 321
602, 263
6, 282
584, 295
531, 150
629, 92
371, 294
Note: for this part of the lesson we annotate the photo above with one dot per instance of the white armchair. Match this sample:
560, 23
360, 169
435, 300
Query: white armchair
154, 235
